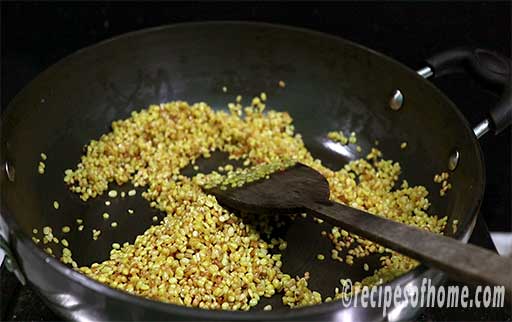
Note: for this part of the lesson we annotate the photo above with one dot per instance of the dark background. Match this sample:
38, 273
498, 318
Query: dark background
36, 35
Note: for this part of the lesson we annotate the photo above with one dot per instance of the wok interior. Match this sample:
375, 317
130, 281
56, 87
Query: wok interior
331, 85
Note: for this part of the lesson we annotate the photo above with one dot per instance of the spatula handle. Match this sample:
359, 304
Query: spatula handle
462, 261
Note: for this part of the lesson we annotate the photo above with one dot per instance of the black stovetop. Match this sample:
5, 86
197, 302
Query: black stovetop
36, 35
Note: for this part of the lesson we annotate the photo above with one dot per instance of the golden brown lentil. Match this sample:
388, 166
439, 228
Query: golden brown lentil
455, 222
352, 139
338, 136
442, 178
41, 167
239, 177
96, 234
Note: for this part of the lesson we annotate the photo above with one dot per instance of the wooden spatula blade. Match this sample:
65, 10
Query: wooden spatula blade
283, 192
300, 188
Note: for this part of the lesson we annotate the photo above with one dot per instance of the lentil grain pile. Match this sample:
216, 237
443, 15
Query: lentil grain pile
201, 254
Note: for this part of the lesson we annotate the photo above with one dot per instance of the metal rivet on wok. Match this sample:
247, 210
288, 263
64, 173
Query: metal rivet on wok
9, 170
453, 159
397, 100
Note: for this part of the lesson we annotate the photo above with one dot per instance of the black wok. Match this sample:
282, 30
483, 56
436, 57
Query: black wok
332, 84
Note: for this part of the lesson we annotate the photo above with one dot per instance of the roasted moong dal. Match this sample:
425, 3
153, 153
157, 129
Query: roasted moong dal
203, 255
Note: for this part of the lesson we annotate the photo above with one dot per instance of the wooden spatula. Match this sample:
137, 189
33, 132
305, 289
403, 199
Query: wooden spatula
300, 188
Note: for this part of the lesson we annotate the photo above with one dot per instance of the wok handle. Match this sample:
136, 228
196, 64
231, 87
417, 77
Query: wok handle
491, 69
462, 261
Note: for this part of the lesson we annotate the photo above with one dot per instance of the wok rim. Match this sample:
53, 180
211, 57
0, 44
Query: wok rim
171, 308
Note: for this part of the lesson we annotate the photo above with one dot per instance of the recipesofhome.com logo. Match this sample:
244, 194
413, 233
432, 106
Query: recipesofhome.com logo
426, 294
